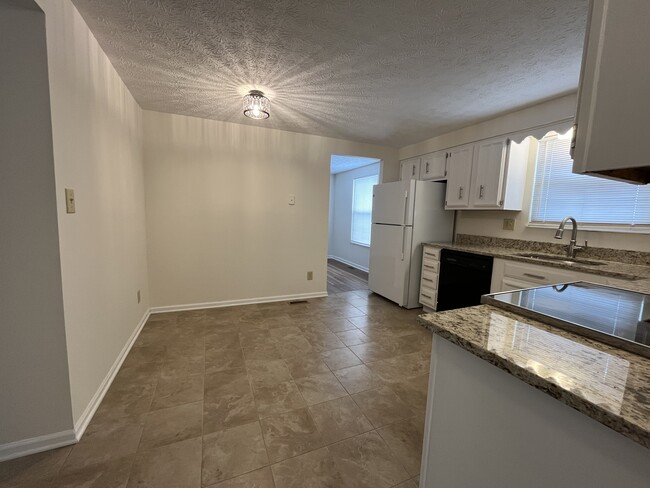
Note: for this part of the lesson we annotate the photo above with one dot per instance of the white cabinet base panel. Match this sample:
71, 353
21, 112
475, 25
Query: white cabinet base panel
485, 428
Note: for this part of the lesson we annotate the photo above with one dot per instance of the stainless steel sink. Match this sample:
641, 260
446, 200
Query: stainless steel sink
561, 259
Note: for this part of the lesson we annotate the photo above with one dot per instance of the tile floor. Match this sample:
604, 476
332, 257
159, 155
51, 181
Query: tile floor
328, 393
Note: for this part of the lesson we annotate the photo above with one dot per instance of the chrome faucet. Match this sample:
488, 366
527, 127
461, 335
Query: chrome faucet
573, 243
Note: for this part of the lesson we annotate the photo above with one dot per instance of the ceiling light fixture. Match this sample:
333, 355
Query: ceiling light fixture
256, 105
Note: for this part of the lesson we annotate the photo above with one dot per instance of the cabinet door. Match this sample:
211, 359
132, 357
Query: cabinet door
410, 169
614, 96
459, 174
434, 166
488, 173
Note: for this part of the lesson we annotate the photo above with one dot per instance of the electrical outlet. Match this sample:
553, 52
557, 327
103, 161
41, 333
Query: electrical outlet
70, 204
139, 297
310, 275
508, 224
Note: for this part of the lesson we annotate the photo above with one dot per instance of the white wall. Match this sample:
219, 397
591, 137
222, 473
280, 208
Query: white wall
341, 206
97, 134
490, 223
218, 221
34, 383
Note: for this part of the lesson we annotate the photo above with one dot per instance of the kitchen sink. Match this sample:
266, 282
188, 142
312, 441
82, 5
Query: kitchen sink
561, 259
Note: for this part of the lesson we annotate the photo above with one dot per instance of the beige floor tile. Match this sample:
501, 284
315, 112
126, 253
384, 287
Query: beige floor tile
31, 469
366, 461
251, 338
339, 419
172, 424
320, 388
275, 399
170, 466
216, 361
339, 324
183, 366
290, 434
315, 469
282, 333
382, 406
340, 358
370, 352
294, 346
325, 341
261, 478
228, 401
413, 392
113, 441
222, 341
357, 378
123, 403
267, 372
232, 452
178, 391
353, 337
141, 375
301, 366
407, 484
114, 474
405, 438
261, 352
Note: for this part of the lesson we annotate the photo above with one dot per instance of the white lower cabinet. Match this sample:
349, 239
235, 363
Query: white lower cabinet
429, 279
515, 275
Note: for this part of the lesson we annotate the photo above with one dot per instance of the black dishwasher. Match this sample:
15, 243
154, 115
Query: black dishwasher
464, 278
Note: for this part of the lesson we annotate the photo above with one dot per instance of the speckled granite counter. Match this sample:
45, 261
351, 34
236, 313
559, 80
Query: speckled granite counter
624, 271
603, 382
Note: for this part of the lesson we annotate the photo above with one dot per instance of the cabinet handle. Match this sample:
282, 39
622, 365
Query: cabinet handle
460, 192
413, 172
538, 277
481, 191
429, 254
426, 296
429, 267
427, 169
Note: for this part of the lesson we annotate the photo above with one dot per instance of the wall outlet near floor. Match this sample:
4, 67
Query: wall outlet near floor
508, 224
139, 297
310, 275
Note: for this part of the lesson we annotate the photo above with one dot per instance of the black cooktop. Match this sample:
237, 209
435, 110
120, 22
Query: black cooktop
612, 315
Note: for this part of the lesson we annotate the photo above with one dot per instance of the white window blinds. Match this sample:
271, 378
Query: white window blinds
362, 209
558, 192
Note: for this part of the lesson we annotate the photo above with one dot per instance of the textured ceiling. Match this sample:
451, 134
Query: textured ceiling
391, 72
339, 164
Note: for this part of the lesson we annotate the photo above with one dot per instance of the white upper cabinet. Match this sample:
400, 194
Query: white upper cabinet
433, 166
409, 169
459, 174
487, 173
614, 99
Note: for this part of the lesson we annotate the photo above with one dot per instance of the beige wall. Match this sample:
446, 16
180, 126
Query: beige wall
97, 132
34, 384
490, 223
218, 223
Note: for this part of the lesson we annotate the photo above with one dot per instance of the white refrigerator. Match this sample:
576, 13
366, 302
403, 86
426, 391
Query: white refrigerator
404, 215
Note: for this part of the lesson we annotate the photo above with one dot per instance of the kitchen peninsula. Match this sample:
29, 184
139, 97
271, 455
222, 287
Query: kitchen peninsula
514, 401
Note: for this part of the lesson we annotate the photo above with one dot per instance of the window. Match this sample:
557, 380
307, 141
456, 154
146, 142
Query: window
598, 202
362, 209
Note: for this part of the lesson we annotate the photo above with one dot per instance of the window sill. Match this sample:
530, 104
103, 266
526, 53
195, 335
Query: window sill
637, 229
359, 244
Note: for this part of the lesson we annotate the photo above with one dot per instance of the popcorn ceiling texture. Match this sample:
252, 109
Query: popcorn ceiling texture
379, 71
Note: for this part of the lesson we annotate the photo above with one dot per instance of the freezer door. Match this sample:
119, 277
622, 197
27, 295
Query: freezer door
389, 262
392, 203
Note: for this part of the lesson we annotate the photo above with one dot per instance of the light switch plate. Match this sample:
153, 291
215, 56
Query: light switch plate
310, 275
508, 224
292, 199
70, 206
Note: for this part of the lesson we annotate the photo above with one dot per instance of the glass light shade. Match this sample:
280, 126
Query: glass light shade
256, 105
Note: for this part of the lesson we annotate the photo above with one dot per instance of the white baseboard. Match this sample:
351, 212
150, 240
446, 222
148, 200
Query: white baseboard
85, 418
25, 447
244, 301
349, 263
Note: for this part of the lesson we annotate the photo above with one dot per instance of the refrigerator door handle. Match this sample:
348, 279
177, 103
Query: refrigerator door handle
403, 239
406, 207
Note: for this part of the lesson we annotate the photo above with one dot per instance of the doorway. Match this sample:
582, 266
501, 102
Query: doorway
350, 214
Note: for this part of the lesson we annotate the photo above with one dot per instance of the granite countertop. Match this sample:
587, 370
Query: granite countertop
624, 271
607, 384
